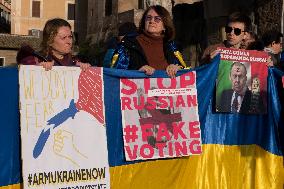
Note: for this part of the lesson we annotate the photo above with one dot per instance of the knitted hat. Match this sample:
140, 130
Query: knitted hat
126, 28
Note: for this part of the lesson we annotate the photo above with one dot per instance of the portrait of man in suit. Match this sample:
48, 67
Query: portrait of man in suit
239, 99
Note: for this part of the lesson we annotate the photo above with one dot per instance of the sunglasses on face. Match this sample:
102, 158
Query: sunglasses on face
157, 19
237, 31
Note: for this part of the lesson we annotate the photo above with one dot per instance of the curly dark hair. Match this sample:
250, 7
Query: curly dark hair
169, 33
50, 31
271, 35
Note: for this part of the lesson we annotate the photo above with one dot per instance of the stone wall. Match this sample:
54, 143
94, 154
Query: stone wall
268, 15
10, 56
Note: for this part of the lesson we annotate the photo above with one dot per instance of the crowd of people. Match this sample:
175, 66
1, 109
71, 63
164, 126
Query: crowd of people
149, 47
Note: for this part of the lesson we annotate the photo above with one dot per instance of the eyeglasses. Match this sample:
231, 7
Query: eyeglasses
237, 31
157, 19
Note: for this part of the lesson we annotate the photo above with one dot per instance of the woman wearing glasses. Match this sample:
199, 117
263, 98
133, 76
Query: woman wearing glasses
152, 49
237, 28
56, 47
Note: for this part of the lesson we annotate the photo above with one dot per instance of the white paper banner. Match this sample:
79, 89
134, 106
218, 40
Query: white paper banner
160, 117
62, 128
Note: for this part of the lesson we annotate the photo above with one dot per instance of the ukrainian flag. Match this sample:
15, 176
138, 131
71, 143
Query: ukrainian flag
239, 151
10, 162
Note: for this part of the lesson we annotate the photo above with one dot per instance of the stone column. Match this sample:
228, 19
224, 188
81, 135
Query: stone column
268, 15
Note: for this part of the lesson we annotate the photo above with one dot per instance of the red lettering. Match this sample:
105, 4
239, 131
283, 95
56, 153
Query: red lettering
180, 148
138, 104
162, 102
170, 148
160, 147
143, 151
163, 132
195, 147
194, 129
131, 155
125, 103
191, 100
177, 130
151, 103
171, 102
128, 83
161, 85
146, 130
180, 101
187, 79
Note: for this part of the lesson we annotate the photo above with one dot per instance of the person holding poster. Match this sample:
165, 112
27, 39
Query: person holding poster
237, 28
153, 49
272, 40
56, 47
240, 99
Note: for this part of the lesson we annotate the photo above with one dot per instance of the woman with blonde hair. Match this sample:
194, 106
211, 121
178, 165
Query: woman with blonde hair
56, 47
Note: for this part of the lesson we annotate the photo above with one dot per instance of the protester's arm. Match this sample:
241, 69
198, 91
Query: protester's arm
147, 69
214, 53
46, 65
172, 70
205, 59
269, 62
83, 66
209, 54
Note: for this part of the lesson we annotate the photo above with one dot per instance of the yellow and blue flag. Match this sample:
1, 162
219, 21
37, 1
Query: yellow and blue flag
238, 151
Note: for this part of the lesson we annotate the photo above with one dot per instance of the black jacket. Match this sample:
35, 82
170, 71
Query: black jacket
131, 55
246, 106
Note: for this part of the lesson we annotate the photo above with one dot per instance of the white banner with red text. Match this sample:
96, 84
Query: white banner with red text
160, 117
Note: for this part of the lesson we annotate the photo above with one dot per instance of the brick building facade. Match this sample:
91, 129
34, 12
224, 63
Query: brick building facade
28, 17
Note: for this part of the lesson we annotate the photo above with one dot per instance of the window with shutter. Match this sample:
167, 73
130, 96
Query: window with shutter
2, 61
108, 7
36, 9
140, 4
71, 11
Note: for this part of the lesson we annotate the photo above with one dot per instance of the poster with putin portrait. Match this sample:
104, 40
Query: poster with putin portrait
63, 131
241, 85
160, 117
